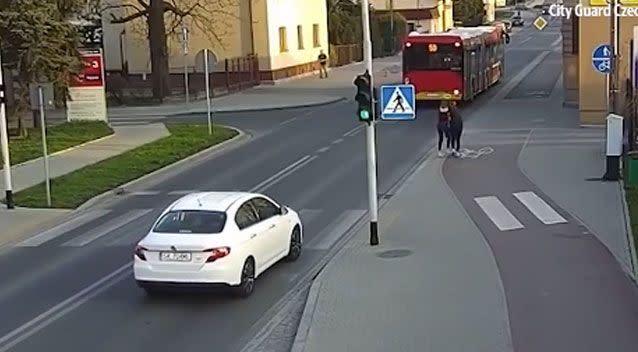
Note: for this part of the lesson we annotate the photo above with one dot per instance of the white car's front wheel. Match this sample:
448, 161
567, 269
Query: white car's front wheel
295, 245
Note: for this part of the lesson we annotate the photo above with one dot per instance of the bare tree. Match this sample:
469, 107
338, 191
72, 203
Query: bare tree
165, 17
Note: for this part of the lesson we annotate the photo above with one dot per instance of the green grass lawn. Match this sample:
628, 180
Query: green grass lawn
72, 190
59, 137
632, 203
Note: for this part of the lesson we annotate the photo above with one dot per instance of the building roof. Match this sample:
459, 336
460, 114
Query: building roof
212, 201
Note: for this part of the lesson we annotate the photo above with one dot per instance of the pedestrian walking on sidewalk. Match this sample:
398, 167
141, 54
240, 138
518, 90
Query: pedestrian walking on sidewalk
456, 129
443, 128
323, 62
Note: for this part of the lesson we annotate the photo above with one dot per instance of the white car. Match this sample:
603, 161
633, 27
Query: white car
216, 238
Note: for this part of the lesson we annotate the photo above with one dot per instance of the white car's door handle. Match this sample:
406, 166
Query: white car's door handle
272, 226
253, 235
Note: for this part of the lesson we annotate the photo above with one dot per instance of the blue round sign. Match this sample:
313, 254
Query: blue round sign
601, 58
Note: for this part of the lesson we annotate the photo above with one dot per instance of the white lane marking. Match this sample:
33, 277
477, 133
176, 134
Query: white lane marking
322, 150
524, 41
282, 174
557, 41
38, 323
543, 211
308, 215
498, 213
288, 121
145, 193
107, 228
331, 234
182, 192
59, 230
353, 131
337, 141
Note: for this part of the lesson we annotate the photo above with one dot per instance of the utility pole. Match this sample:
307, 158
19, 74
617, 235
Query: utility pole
613, 62
185, 53
370, 129
4, 142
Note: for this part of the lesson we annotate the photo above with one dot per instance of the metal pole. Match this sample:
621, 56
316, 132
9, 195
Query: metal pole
185, 52
612, 162
45, 154
207, 73
392, 40
370, 130
613, 63
4, 143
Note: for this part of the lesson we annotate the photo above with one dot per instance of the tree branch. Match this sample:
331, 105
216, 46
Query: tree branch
143, 4
128, 18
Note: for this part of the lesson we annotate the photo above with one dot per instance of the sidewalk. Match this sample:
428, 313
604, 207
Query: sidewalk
445, 295
295, 92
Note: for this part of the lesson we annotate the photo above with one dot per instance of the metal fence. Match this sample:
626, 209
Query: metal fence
345, 54
230, 75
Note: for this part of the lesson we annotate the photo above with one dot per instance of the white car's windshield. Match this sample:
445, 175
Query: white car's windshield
192, 222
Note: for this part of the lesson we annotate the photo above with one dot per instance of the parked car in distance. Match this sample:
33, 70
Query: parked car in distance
517, 21
212, 239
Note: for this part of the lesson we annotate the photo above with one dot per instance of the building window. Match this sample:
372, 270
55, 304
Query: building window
299, 37
283, 42
315, 35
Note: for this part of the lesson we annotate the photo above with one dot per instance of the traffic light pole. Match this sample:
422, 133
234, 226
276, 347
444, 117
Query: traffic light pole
4, 143
370, 130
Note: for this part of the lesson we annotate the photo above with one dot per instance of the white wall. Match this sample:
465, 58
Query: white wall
289, 14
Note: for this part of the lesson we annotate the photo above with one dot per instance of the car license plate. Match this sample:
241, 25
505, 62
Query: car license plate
175, 257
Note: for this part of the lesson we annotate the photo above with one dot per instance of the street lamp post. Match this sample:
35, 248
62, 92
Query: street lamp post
4, 143
614, 121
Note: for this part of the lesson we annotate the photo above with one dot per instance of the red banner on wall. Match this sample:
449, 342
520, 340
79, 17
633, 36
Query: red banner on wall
91, 74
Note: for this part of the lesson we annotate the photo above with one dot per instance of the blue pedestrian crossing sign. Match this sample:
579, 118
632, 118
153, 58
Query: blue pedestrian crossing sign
601, 58
398, 102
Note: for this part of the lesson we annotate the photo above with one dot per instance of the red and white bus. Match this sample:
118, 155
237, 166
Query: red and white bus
454, 65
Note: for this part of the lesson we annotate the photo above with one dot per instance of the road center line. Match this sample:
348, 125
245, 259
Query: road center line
282, 174
288, 121
353, 131
38, 323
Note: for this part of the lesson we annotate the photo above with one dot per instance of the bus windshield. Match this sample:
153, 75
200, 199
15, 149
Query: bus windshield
446, 57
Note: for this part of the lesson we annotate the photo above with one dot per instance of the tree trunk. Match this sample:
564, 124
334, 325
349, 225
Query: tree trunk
159, 55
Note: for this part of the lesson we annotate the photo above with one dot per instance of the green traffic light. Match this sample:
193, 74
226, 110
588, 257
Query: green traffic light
364, 114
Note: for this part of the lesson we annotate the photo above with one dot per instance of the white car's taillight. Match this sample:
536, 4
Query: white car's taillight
217, 253
139, 252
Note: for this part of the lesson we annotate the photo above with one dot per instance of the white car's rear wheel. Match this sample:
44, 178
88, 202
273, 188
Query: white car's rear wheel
247, 284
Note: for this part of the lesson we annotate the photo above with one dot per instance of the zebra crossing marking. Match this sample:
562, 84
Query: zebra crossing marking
63, 228
107, 228
498, 213
537, 206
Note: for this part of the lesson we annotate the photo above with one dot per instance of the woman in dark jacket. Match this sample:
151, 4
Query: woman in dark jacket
455, 129
443, 127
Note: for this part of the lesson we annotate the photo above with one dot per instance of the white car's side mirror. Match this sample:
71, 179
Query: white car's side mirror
283, 210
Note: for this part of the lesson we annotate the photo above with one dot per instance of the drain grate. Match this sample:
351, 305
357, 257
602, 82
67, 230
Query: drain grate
394, 253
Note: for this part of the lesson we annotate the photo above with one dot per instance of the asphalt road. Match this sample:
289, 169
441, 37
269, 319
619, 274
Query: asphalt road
72, 288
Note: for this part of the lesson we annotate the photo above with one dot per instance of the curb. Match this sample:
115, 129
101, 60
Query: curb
241, 136
229, 110
629, 232
299, 344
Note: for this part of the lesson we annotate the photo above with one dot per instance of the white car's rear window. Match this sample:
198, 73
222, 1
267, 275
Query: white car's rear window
191, 222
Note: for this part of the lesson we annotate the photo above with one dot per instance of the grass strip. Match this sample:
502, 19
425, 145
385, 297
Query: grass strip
73, 189
59, 137
632, 203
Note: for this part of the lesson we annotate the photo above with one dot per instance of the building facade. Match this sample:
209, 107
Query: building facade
285, 35
426, 16
584, 85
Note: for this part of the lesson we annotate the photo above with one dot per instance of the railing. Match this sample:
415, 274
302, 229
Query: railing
229, 75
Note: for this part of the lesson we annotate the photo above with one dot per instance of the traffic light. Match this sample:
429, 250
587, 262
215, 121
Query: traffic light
364, 97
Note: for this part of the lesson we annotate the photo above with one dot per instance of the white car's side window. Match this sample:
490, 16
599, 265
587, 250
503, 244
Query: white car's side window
265, 208
245, 216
